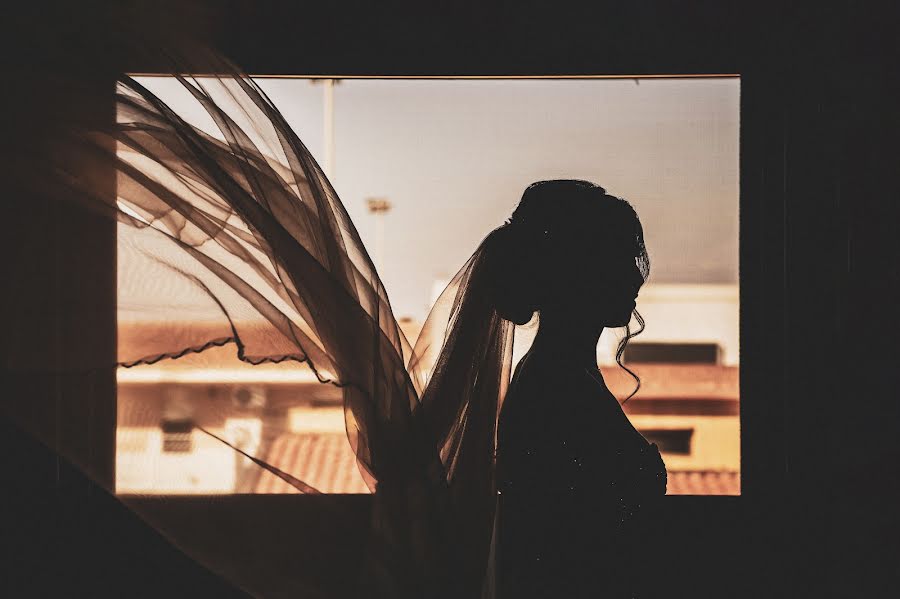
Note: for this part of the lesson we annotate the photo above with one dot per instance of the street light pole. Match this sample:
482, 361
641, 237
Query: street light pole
329, 128
379, 207
327, 124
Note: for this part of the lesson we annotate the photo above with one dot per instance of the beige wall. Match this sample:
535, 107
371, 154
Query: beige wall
143, 467
685, 313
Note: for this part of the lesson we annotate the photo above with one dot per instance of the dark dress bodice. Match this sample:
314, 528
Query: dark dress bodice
576, 481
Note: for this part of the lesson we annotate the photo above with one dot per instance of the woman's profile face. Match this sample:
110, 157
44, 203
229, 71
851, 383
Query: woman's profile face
598, 277
617, 299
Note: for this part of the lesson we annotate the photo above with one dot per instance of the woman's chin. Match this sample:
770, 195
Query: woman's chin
620, 321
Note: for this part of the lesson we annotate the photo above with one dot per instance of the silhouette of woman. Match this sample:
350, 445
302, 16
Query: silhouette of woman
573, 473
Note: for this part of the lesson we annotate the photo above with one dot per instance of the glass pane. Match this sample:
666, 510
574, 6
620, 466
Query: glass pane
457, 154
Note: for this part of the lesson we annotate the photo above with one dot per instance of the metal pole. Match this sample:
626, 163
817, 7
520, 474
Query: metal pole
379, 241
329, 129
378, 207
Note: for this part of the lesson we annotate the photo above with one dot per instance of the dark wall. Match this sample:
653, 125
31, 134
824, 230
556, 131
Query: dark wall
64, 536
843, 397
819, 268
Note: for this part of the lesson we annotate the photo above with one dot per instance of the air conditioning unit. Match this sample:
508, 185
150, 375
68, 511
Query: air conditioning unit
248, 397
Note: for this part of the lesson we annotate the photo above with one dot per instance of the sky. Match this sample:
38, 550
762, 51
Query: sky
454, 156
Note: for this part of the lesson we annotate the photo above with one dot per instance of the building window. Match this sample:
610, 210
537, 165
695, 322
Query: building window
673, 353
677, 440
177, 436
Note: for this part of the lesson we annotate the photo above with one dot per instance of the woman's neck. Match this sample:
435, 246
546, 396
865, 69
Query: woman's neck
567, 338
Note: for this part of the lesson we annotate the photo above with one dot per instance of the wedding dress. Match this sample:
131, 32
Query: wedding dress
577, 484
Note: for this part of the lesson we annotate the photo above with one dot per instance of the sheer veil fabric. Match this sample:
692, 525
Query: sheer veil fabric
237, 229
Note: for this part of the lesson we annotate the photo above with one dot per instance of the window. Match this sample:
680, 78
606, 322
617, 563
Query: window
683, 353
176, 436
675, 440
668, 145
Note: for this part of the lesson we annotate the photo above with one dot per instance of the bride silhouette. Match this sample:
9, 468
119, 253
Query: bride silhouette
573, 473
240, 226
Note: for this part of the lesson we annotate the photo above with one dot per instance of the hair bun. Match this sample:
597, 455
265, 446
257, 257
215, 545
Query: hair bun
510, 256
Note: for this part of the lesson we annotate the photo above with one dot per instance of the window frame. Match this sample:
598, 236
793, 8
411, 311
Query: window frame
719, 409
668, 45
